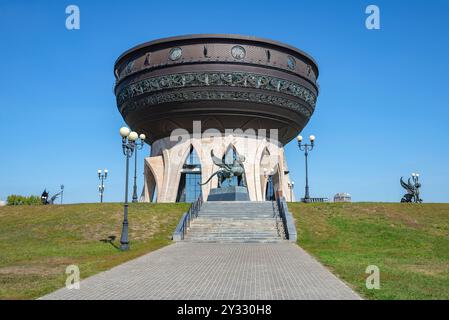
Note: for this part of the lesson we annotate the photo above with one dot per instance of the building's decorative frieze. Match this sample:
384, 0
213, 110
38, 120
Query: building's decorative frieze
222, 79
182, 96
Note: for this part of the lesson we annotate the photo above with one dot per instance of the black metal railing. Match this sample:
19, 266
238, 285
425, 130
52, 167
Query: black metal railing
187, 218
287, 219
281, 210
311, 200
280, 226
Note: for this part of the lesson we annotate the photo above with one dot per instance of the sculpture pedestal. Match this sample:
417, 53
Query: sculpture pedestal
231, 193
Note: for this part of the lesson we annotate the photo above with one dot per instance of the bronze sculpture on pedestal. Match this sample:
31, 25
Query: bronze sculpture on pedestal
227, 170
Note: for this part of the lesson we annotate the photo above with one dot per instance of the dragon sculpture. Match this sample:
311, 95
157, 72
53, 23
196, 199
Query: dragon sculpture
227, 170
412, 189
45, 195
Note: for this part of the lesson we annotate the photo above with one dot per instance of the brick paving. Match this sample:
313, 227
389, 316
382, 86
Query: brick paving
215, 271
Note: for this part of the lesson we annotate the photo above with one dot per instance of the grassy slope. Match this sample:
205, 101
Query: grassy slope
408, 242
37, 243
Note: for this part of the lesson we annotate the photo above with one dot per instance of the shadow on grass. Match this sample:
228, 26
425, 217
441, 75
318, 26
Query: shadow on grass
111, 240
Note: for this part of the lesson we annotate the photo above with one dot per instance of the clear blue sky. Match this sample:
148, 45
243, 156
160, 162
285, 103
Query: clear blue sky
382, 112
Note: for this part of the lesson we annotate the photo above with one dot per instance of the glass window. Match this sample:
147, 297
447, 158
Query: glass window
189, 185
193, 189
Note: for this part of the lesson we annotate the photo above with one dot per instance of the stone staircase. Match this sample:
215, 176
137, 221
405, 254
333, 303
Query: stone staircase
236, 221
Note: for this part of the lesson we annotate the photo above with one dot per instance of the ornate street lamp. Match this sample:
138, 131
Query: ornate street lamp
138, 146
291, 185
129, 139
62, 192
306, 148
102, 176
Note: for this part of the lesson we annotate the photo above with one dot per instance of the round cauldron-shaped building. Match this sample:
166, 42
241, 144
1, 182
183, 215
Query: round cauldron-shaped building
257, 93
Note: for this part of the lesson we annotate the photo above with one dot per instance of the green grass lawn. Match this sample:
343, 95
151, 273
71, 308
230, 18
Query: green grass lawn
37, 243
408, 242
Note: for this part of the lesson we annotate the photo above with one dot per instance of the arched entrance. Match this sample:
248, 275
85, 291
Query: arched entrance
189, 189
267, 183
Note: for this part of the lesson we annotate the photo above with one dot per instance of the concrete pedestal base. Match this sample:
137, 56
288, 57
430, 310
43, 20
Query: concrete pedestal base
231, 193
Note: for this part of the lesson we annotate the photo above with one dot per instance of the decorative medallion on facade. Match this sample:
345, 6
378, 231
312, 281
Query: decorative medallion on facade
129, 67
175, 54
291, 63
238, 52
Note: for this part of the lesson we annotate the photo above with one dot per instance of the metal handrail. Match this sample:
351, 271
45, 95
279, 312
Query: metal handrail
281, 210
311, 200
287, 219
186, 219
278, 220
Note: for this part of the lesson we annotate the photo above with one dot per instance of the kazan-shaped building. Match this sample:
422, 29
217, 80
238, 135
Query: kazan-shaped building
230, 94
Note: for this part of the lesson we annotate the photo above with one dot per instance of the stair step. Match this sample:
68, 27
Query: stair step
229, 211
235, 232
238, 227
236, 209
236, 212
242, 223
232, 236
235, 218
213, 227
232, 239
232, 226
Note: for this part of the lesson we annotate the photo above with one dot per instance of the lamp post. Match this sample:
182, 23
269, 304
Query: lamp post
306, 148
138, 146
291, 185
62, 192
102, 176
129, 139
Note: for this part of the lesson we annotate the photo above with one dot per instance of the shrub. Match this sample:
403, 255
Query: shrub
17, 200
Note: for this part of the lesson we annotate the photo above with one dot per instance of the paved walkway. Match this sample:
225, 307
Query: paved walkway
215, 271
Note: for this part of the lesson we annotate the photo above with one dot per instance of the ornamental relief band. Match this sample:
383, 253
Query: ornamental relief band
236, 79
215, 95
